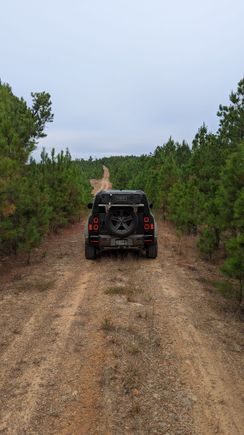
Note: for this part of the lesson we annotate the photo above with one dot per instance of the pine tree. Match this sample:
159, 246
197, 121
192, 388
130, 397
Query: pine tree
234, 265
231, 131
185, 206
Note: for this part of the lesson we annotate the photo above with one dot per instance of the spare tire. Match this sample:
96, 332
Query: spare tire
121, 221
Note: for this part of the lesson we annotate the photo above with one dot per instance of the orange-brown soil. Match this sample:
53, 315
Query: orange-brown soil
119, 345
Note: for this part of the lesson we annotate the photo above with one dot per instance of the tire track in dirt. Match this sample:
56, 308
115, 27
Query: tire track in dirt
28, 363
120, 345
202, 381
31, 360
205, 363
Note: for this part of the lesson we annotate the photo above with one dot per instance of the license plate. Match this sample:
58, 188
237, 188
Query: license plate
122, 242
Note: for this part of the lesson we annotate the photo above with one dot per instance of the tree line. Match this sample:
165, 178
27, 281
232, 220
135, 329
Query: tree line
35, 198
199, 188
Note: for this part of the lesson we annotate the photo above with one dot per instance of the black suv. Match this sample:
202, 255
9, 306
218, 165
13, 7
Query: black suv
120, 219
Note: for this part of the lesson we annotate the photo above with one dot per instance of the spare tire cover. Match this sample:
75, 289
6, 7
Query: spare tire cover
121, 221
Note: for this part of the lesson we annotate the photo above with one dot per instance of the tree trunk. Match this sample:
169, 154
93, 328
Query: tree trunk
28, 258
240, 292
217, 237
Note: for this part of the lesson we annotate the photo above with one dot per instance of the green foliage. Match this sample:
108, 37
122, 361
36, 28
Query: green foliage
234, 264
41, 111
206, 162
67, 188
229, 197
34, 197
207, 242
168, 176
91, 168
239, 210
231, 129
20, 125
185, 205
199, 188
25, 215
24, 211
225, 288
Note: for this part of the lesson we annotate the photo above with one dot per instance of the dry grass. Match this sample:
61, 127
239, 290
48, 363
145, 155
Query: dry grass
107, 325
121, 290
38, 285
130, 378
225, 287
130, 292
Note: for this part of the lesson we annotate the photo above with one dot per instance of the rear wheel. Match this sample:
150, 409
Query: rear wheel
152, 250
90, 252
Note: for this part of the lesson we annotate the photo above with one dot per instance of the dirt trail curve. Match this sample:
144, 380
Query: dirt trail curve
120, 345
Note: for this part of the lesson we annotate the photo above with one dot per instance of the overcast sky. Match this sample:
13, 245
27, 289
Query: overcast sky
123, 75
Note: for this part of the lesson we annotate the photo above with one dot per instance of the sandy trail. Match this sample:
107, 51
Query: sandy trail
103, 184
120, 345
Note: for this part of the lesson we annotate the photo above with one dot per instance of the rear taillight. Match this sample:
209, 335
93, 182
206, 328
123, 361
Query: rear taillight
94, 226
147, 224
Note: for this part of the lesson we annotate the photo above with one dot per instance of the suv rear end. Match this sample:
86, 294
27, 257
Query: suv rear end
120, 219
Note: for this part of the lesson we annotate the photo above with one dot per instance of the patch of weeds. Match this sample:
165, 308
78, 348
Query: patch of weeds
39, 286
54, 413
109, 375
131, 330
156, 341
43, 286
225, 288
62, 255
205, 281
17, 277
107, 325
148, 298
130, 379
116, 291
120, 290
131, 298
135, 409
114, 340
134, 349
16, 331
142, 316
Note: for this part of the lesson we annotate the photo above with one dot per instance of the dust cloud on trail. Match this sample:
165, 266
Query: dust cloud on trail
103, 184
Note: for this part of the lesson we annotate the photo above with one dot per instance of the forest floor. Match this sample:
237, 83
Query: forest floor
120, 345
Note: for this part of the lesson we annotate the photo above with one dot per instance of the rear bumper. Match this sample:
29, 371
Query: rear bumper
134, 241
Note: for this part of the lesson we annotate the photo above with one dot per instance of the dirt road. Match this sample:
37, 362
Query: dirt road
120, 345
103, 184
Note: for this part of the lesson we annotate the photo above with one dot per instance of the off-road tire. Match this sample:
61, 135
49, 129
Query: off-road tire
90, 252
121, 222
152, 250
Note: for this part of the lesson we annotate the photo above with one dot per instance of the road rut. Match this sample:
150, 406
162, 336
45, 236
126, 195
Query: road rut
120, 345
